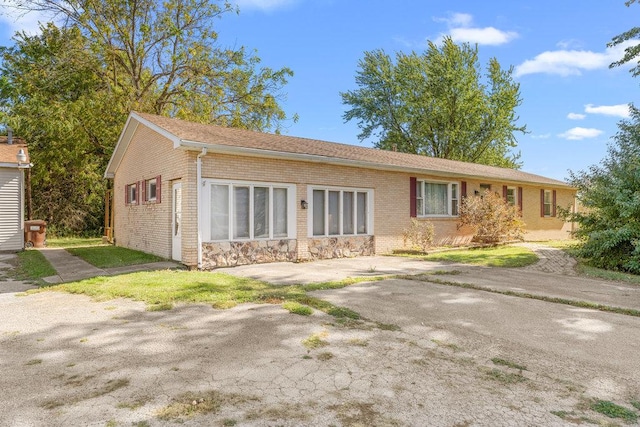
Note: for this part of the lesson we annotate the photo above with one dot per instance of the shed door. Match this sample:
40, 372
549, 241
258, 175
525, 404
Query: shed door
176, 223
11, 232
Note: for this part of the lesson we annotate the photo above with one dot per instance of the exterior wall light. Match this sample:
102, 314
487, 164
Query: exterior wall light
304, 204
21, 157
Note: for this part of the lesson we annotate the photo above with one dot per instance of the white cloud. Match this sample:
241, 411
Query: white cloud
571, 62
575, 116
541, 136
483, 36
18, 20
620, 110
265, 5
578, 133
462, 31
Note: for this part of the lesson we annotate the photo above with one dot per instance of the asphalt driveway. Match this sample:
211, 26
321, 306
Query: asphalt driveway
428, 354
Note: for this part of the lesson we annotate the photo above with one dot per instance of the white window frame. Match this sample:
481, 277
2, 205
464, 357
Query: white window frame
341, 190
450, 199
206, 209
550, 204
132, 194
147, 191
515, 196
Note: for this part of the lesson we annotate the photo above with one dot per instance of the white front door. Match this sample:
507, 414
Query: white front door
176, 223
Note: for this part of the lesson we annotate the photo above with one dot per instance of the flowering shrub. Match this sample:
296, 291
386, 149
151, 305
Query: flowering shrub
491, 217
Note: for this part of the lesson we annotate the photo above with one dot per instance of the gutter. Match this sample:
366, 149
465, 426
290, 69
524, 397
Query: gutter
199, 202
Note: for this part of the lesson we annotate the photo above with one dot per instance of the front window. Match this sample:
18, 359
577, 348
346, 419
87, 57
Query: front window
337, 212
437, 198
151, 189
241, 211
548, 201
511, 195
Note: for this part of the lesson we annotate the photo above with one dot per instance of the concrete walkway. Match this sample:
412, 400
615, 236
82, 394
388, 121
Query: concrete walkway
71, 268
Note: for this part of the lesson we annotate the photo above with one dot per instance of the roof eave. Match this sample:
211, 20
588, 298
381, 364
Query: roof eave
312, 158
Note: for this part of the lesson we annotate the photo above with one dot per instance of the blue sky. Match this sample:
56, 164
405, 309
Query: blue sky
572, 101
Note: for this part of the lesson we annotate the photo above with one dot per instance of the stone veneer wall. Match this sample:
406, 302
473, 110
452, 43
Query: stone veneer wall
227, 254
341, 247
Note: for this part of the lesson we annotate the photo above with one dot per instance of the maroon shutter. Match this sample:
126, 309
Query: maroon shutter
463, 189
542, 202
158, 189
520, 199
126, 195
413, 183
553, 206
504, 192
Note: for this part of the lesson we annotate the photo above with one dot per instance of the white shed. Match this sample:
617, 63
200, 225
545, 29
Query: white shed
14, 159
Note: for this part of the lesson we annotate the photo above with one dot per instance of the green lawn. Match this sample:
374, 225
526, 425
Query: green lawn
32, 266
500, 256
162, 289
112, 256
72, 242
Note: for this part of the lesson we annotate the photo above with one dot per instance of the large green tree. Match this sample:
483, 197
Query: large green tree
438, 104
73, 86
609, 223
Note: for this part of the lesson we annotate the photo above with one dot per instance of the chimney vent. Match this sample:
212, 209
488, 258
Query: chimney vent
9, 135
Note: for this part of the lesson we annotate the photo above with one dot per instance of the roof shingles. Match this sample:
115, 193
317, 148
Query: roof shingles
377, 159
8, 152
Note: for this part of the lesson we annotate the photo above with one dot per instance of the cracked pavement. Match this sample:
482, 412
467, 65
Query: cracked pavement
431, 354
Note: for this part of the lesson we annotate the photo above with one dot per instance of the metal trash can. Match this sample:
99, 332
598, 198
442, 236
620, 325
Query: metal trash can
35, 233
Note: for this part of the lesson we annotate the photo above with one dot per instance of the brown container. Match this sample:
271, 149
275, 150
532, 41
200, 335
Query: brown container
35, 233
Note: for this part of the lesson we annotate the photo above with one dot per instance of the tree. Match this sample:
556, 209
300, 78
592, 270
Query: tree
491, 217
609, 223
53, 98
630, 52
436, 104
68, 91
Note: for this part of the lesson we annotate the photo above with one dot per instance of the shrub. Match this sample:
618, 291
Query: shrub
419, 234
491, 217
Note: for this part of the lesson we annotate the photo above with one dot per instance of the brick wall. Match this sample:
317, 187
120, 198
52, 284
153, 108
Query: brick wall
147, 226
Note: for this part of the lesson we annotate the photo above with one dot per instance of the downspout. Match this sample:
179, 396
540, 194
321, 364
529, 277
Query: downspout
199, 203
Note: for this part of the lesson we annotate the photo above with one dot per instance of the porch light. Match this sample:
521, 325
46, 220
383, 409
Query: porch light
304, 204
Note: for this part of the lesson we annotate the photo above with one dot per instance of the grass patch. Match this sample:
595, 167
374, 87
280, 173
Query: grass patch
34, 362
612, 410
505, 377
73, 242
315, 341
190, 404
635, 404
500, 256
507, 363
295, 307
112, 256
32, 266
161, 290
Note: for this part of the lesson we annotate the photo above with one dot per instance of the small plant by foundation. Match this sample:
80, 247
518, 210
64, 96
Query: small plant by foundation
419, 235
297, 308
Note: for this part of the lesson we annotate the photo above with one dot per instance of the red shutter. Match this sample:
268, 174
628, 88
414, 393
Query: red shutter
504, 192
553, 206
520, 199
463, 189
542, 202
413, 183
158, 189
126, 195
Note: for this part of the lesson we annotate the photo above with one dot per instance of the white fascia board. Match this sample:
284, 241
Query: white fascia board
269, 154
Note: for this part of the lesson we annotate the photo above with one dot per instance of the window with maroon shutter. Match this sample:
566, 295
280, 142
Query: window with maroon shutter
158, 189
131, 194
553, 207
413, 183
504, 192
463, 189
547, 203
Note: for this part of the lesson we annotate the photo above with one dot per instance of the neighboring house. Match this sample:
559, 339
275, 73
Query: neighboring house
211, 196
14, 159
